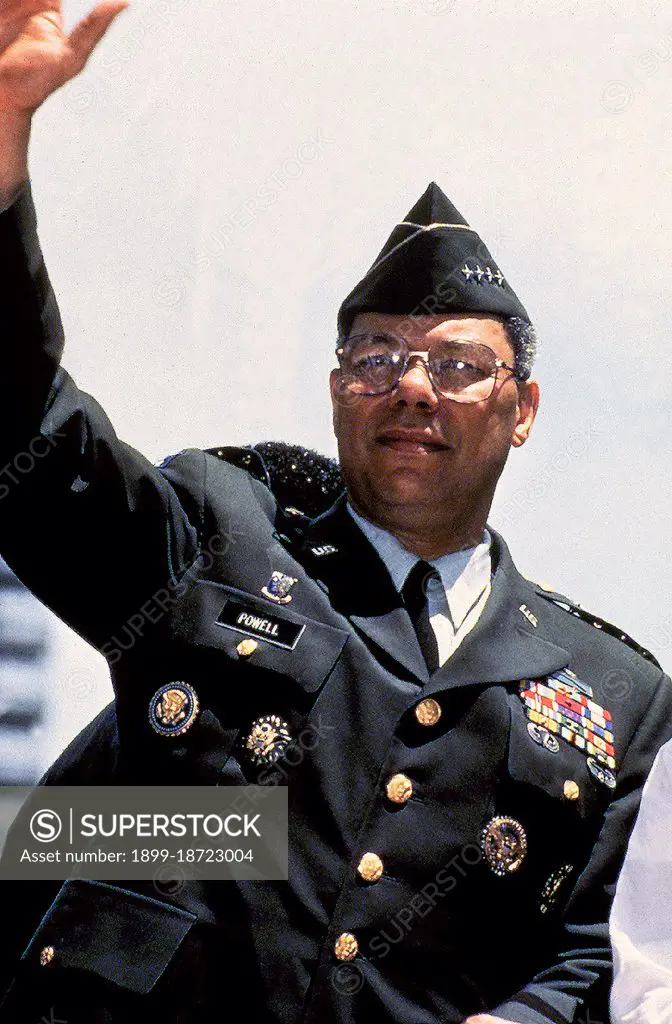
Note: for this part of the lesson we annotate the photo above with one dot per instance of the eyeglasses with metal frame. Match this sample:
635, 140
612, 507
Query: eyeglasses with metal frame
463, 371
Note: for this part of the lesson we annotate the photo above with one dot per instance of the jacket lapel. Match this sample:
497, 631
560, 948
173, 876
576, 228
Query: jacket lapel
336, 552
506, 644
503, 646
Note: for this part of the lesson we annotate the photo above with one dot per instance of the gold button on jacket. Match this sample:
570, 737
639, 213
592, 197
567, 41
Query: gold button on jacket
346, 947
370, 867
428, 711
399, 789
571, 790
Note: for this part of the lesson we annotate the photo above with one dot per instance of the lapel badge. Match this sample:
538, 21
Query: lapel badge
278, 587
267, 740
552, 887
504, 843
601, 773
173, 709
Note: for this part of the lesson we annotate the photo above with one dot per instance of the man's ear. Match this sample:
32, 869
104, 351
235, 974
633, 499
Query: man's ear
528, 403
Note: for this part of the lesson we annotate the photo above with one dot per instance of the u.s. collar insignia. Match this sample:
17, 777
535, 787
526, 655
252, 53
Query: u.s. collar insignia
173, 709
324, 549
278, 587
504, 843
530, 616
267, 740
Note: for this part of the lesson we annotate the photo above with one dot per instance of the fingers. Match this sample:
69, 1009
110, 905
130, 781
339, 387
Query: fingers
21, 10
91, 29
16, 14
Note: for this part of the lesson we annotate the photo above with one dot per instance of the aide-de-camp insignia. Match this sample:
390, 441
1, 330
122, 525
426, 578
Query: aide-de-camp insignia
504, 843
278, 587
562, 704
173, 709
267, 740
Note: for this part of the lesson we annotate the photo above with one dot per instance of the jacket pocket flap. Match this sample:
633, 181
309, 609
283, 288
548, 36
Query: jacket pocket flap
557, 768
219, 616
123, 937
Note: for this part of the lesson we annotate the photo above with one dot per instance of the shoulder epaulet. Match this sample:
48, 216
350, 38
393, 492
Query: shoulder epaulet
243, 458
298, 477
594, 620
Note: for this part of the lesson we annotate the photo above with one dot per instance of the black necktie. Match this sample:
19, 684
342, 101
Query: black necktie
414, 593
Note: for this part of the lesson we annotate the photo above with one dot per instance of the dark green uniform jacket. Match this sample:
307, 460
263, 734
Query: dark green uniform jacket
105, 539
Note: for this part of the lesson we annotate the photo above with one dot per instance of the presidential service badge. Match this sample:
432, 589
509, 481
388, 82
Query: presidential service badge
173, 709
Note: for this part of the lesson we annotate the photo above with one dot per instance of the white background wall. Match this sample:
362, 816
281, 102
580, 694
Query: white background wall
197, 323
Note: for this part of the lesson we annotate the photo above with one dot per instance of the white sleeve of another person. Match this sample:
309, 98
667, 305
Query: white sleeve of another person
641, 918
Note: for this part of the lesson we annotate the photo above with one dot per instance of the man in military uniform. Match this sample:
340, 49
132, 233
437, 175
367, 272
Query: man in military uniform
460, 787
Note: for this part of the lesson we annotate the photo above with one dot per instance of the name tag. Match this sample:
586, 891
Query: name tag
246, 619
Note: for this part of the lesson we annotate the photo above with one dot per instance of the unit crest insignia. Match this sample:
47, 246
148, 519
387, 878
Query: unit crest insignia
278, 587
173, 709
504, 843
562, 705
267, 740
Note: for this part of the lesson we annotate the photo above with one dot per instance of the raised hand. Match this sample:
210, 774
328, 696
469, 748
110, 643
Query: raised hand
37, 57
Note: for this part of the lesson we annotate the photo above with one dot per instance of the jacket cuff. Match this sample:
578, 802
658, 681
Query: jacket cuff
537, 1004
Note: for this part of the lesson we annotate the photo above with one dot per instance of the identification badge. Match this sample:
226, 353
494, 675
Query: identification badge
246, 619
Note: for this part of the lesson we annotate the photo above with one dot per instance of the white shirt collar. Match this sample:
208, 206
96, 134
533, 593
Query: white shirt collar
464, 574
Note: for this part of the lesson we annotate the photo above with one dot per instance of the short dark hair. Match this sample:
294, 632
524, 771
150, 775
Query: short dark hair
523, 339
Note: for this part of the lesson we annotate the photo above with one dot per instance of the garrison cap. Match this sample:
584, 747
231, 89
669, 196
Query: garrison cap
433, 262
